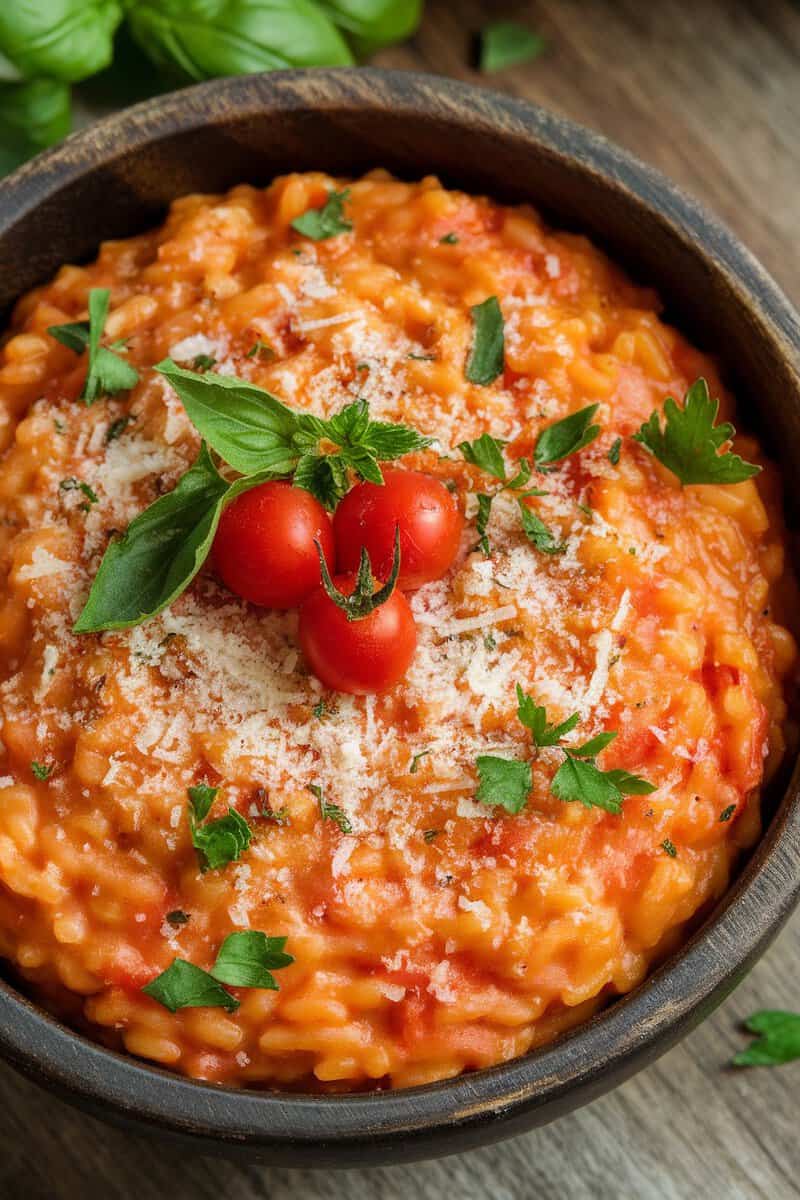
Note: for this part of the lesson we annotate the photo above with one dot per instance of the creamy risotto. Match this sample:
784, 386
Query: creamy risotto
460, 864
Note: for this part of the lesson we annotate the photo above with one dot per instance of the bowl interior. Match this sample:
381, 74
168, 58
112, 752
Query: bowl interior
117, 179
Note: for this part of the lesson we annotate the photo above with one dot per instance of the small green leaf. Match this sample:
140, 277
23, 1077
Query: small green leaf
505, 782
41, 771
594, 745
328, 221
537, 532
778, 1039
534, 717
486, 452
630, 785
689, 443
507, 44
217, 842
727, 813
566, 437
107, 373
614, 451
324, 476
202, 796
482, 522
247, 959
331, 812
487, 355
669, 848
577, 779
183, 985
415, 761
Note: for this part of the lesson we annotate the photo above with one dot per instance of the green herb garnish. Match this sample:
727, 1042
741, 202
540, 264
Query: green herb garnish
727, 813
41, 771
688, 445
777, 1040
328, 221
245, 959
217, 842
508, 44
331, 812
614, 451
415, 761
505, 782
177, 917
669, 848
566, 437
107, 373
486, 357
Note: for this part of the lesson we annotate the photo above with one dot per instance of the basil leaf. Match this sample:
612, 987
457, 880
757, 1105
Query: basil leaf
506, 44
371, 24
614, 451
505, 782
485, 362
33, 115
324, 476
161, 551
537, 532
326, 222
107, 373
200, 39
249, 428
64, 40
331, 812
777, 1040
389, 441
689, 443
566, 437
485, 452
217, 842
246, 960
183, 985
630, 785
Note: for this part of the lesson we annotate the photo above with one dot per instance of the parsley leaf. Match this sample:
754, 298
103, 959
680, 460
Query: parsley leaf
727, 813
507, 44
505, 782
331, 812
328, 221
778, 1039
566, 437
537, 532
486, 358
614, 451
247, 959
689, 443
41, 771
669, 848
183, 985
107, 373
534, 717
482, 521
579, 779
217, 842
486, 452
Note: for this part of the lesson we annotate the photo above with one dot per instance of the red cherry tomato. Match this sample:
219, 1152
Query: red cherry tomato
264, 549
363, 656
428, 518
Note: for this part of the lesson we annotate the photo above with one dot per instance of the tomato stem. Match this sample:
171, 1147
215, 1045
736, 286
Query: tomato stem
363, 599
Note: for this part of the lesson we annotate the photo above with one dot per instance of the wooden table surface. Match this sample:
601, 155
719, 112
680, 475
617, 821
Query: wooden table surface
709, 91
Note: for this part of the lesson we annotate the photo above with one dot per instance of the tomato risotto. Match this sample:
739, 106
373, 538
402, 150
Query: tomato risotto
392, 643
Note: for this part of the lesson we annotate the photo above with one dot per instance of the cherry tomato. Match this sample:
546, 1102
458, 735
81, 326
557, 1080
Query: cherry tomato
264, 549
427, 515
363, 656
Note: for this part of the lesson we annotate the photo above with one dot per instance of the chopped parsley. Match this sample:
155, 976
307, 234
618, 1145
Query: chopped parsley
777, 1039
217, 842
107, 373
614, 451
177, 917
415, 761
328, 221
487, 355
320, 710
689, 443
538, 533
727, 813
245, 959
482, 522
449, 239
41, 771
331, 812
563, 438
261, 349
430, 834
118, 427
669, 848
77, 485
486, 452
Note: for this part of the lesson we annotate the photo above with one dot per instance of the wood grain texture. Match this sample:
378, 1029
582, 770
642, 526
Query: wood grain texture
708, 91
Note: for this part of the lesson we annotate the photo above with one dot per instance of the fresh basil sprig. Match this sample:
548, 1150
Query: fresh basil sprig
161, 551
246, 959
326, 222
107, 373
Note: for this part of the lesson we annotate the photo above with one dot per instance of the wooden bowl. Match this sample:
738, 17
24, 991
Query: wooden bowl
116, 179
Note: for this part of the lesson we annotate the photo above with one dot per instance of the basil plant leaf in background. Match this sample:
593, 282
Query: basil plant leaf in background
65, 40
33, 115
199, 39
372, 24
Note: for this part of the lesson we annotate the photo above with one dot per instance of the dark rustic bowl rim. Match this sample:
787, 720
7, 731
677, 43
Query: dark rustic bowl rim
441, 1116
